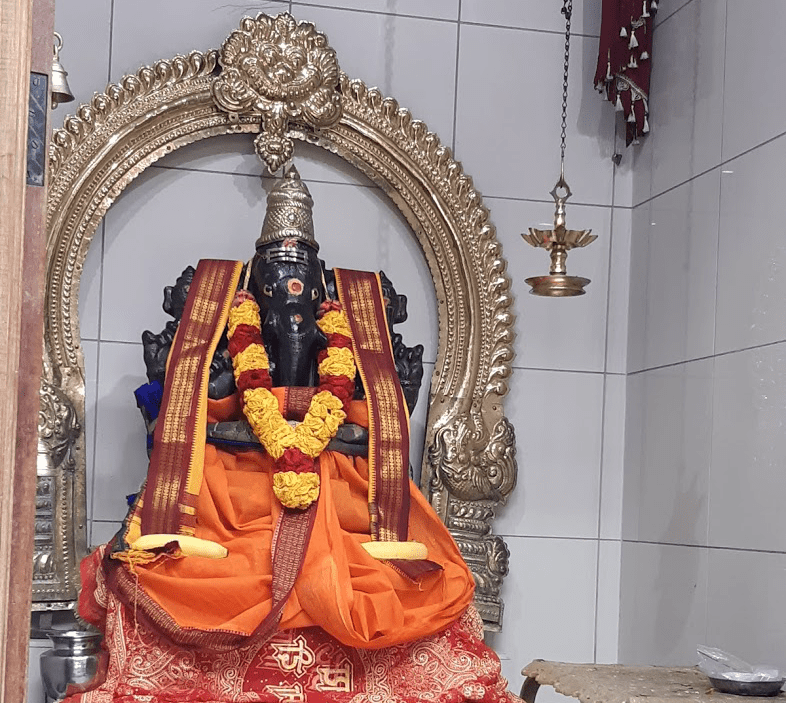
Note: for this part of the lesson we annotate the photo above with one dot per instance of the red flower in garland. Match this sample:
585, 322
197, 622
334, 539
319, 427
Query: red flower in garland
294, 460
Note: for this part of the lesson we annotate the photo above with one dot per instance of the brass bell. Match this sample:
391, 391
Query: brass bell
61, 93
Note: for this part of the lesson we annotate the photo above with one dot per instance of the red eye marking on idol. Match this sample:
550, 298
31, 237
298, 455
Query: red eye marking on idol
295, 286
289, 243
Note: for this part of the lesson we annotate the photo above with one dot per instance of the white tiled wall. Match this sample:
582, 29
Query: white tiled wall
704, 551
508, 124
674, 264
667, 467
486, 76
686, 96
550, 598
748, 315
663, 604
753, 58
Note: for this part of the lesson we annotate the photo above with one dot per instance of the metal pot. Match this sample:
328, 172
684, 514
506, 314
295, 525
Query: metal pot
74, 659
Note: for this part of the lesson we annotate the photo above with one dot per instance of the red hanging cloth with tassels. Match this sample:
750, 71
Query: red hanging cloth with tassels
623, 72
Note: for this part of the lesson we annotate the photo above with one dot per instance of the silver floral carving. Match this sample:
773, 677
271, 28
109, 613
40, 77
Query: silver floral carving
472, 474
487, 556
283, 70
56, 540
472, 464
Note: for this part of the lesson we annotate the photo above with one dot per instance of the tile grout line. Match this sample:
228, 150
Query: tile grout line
234, 174
646, 292
574, 538
715, 332
621, 541
305, 3
588, 372
668, 17
511, 198
752, 347
102, 248
101, 242
372, 186
360, 10
720, 165
720, 190
603, 407
557, 32
709, 497
456, 82
605, 392
111, 39
708, 547
114, 341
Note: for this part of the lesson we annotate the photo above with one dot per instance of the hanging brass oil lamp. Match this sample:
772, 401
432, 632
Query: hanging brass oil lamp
560, 240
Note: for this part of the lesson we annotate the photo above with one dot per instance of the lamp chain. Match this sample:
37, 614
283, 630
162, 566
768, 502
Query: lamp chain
567, 10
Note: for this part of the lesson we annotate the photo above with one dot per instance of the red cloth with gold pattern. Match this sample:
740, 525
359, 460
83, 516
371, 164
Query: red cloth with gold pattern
294, 666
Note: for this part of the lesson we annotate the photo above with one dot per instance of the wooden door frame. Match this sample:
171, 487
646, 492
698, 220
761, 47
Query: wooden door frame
26, 28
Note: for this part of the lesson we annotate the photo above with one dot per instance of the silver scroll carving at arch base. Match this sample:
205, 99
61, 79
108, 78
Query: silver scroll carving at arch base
291, 92
59, 500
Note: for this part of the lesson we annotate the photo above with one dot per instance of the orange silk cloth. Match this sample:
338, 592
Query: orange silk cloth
360, 601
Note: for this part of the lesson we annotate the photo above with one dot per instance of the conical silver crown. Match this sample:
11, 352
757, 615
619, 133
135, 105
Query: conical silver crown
289, 212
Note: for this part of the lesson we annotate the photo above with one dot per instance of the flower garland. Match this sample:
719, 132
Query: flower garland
294, 449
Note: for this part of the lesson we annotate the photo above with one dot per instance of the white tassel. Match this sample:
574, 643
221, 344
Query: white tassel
644, 56
646, 127
632, 116
632, 63
644, 12
653, 6
633, 43
623, 32
618, 105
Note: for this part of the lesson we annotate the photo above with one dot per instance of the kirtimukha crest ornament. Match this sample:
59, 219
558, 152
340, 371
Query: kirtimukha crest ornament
560, 240
284, 70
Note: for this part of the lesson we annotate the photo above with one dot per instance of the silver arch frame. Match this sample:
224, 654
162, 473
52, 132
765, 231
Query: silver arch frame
469, 464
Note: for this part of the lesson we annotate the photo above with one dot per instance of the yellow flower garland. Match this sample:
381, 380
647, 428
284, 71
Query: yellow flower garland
335, 322
252, 357
247, 313
338, 362
324, 416
298, 490
319, 426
